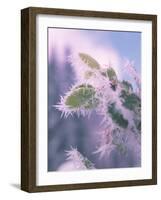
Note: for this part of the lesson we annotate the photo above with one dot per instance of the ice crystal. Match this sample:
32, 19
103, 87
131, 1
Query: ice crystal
129, 66
80, 162
105, 143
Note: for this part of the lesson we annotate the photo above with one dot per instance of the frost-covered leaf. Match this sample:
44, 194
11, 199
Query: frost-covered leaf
138, 124
117, 116
88, 163
79, 161
89, 60
126, 86
130, 101
111, 74
82, 96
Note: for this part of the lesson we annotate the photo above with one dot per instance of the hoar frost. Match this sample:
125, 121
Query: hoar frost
98, 88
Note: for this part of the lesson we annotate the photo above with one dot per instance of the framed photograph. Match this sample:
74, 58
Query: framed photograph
88, 99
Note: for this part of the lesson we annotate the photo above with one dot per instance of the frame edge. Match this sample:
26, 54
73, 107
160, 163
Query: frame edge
154, 99
24, 99
28, 100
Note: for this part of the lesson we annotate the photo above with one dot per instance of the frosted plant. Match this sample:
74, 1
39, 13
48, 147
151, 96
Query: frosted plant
75, 161
80, 162
97, 88
129, 66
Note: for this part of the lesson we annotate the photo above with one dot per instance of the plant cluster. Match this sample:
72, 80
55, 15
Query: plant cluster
98, 88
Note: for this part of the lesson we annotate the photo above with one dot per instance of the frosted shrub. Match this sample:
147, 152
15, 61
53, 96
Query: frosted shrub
97, 88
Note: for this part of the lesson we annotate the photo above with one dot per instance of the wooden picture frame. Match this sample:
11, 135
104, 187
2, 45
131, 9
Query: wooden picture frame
29, 98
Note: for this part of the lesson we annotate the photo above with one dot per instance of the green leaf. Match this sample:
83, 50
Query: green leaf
82, 96
91, 62
88, 163
138, 124
92, 103
117, 116
126, 86
130, 101
111, 74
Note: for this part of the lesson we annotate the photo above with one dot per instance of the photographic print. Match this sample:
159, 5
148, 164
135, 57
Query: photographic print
94, 99
88, 99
